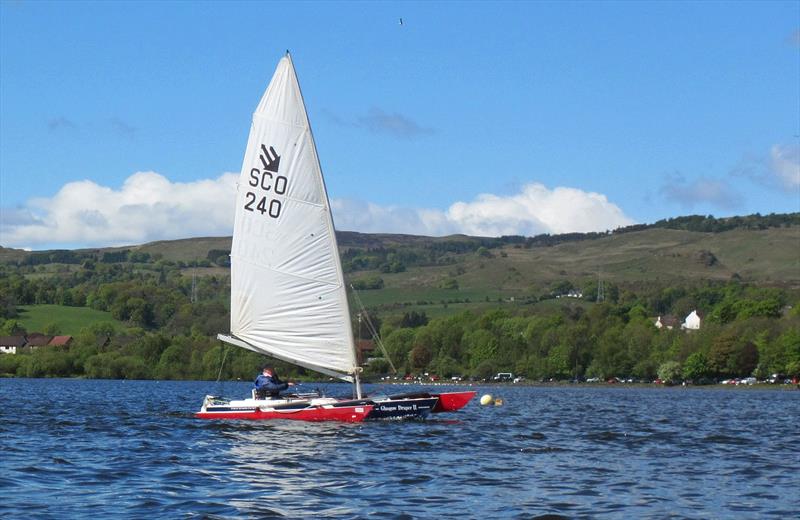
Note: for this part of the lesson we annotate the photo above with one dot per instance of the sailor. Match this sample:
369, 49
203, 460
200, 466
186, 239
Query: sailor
268, 383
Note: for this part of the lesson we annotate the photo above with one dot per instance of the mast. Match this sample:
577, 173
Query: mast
357, 385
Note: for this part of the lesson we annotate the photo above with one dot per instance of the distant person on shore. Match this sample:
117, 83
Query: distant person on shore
268, 384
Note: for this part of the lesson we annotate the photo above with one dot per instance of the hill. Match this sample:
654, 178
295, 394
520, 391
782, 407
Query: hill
532, 302
461, 271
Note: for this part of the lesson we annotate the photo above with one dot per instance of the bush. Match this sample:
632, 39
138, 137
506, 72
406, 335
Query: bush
449, 283
696, 367
10, 363
669, 372
369, 283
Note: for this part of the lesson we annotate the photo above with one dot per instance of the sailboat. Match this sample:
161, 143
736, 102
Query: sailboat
288, 296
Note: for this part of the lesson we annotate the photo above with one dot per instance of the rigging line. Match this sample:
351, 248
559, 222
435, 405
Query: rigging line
222, 364
372, 330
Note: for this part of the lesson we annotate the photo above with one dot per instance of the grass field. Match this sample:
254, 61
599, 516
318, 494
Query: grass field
186, 250
67, 320
513, 275
656, 255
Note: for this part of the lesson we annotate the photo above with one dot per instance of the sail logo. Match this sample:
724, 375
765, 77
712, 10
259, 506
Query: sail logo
270, 159
267, 182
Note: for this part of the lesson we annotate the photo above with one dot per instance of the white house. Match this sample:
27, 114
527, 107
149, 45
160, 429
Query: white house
692, 321
10, 344
667, 321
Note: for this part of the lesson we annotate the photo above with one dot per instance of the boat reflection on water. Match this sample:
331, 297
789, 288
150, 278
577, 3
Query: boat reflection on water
277, 466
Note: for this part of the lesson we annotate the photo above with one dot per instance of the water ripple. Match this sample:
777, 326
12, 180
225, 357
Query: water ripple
133, 449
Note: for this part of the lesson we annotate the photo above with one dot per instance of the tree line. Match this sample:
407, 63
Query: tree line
169, 321
746, 331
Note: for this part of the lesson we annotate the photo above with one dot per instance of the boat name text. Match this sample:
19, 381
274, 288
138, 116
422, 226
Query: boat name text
263, 180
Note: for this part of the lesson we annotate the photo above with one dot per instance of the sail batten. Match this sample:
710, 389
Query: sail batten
288, 295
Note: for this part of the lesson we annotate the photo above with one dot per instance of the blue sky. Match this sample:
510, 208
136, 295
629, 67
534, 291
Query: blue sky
122, 123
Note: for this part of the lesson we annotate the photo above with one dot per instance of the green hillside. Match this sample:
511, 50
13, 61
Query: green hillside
447, 274
61, 319
514, 272
532, 303
187, 249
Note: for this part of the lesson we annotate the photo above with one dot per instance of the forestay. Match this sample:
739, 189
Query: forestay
288, 297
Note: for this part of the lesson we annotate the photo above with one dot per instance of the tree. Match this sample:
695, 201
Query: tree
419, 357
561, 287
696, 366
732, 355
669, 372
481, 347
53, 328
485, 370
558, 361
449, 283
398, 344
483, 252
721, 354
377, 367
9, 365
368, 283
172, 363
789, 342
12, 328
445, 366
414, 319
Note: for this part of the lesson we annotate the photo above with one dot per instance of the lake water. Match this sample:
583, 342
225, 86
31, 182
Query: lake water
76, 448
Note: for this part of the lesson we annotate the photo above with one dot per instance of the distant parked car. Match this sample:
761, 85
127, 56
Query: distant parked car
593, 380
776, 379
519, 379
748, 381
503, 376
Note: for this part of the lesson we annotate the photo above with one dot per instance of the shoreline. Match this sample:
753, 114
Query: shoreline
720, 387
473, 384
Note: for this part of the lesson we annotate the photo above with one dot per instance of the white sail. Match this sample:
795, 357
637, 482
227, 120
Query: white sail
288, 296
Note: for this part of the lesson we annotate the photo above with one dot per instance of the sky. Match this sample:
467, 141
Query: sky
123, 123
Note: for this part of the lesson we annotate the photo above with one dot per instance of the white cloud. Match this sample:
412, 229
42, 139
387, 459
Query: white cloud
150, 207
357, 215
779, 170
147, 207
534, 210
784, 162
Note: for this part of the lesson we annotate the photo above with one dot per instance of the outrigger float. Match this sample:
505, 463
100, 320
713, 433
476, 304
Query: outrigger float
288, 296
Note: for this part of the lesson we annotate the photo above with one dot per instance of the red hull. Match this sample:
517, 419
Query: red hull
452, 401
315, 414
